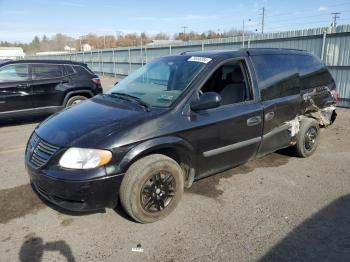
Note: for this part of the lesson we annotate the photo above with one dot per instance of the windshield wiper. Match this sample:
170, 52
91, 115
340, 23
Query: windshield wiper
132, 98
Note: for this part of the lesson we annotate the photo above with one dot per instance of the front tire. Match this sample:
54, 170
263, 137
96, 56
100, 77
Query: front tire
152, 188
307, 138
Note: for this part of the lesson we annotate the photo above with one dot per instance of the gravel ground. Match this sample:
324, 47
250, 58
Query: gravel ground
277, 208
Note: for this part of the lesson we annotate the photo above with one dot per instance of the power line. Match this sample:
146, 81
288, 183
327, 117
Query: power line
299, 18
304, 18
305, 11
299, 24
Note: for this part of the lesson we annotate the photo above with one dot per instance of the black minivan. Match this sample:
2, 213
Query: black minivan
30, 87
176, 120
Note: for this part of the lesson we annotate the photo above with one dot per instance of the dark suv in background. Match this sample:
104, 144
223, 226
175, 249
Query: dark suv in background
30, 87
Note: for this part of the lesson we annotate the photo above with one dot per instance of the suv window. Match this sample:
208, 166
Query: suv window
46, 71
277, 75
14, 73
230, 82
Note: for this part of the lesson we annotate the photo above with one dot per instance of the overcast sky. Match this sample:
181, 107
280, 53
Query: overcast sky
21, 20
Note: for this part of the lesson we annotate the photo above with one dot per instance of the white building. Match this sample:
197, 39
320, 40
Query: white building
11, 53
86, 47
68, 48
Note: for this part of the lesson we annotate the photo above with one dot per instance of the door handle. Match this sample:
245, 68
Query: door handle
253, 121
269, 116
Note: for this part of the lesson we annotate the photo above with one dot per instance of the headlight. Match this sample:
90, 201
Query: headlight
83, 158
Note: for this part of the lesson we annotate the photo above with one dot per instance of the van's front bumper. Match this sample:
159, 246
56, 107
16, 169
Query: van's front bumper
76, 195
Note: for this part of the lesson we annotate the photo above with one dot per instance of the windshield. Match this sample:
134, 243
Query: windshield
160, 82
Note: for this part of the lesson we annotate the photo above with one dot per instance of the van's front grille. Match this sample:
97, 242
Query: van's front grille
39, 152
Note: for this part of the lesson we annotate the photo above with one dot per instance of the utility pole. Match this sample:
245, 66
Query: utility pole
184, 27
335, 17
262, 20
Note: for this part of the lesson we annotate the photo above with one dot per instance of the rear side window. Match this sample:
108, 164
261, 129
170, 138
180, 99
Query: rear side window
14, 73
88, 69
277, 75
307, 64
69, 70
312, 71
46, 71
82, 70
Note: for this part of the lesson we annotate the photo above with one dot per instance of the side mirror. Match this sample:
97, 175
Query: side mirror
206, 101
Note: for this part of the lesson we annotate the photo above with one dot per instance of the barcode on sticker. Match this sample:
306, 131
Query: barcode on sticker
199, 59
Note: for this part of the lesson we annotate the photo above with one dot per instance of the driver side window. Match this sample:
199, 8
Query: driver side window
230, 82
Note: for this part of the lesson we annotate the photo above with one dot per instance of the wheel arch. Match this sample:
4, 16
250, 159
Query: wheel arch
174, 147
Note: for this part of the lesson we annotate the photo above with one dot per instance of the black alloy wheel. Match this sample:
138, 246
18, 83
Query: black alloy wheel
158, 192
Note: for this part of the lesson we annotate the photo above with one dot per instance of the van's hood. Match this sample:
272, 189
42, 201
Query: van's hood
89, 122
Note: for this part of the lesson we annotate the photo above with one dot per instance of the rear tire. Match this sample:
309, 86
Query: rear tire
74, 100
307, 138
152, 188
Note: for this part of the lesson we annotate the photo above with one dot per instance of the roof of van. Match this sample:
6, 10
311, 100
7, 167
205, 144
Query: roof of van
42, 61
251, 51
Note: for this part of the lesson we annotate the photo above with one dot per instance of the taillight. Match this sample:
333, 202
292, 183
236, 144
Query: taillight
96, 81
335, 95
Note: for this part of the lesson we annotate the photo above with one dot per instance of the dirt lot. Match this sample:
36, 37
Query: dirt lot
277, 208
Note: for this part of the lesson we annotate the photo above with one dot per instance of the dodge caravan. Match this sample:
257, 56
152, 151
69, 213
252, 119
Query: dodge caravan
176, 120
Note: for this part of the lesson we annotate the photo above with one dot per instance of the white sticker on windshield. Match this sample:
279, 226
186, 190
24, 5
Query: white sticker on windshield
199, 59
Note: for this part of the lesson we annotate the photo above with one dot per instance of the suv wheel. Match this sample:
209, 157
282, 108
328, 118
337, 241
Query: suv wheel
152, 188
75, 100
307, 139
